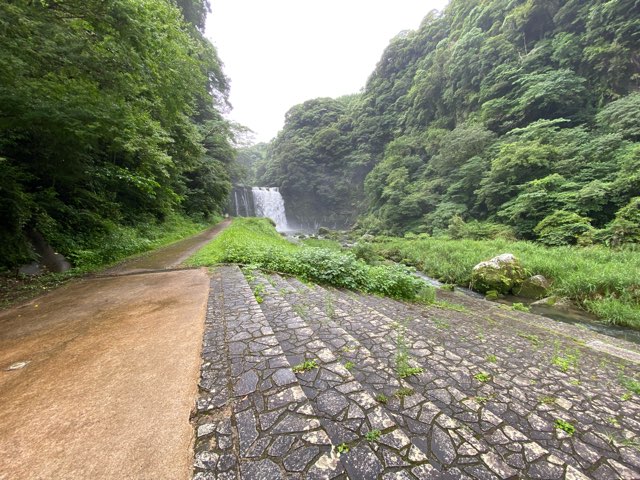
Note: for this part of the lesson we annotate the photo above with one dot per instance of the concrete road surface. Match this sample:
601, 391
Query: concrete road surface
98, 378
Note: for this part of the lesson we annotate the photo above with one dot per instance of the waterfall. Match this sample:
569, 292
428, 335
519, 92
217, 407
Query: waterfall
241, 202
269, 203
236, 204
258, 202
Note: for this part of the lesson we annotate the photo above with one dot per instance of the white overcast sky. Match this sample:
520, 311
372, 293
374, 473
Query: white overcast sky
279, 53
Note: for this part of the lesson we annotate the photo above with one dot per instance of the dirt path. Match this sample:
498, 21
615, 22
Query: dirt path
111, 376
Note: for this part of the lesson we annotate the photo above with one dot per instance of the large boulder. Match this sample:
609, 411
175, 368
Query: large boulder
501, 274
534, 287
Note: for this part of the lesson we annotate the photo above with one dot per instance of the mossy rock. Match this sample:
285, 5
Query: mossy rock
503, 274
492, 295
559, 303
534, 287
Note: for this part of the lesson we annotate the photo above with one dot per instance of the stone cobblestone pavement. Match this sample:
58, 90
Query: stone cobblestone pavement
253, 420
548, 378
345, 408
505, 452
484, 392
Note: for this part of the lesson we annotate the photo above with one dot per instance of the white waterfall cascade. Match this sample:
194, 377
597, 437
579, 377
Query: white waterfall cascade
269, 203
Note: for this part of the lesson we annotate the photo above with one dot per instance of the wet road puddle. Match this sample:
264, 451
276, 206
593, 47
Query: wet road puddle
17, 365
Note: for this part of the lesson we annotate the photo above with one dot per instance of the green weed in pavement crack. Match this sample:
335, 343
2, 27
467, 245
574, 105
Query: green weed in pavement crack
301, 310
258, 292
342, 448
565, 426
373, 435
482, 377
630, 384
547, 400
441, 324
305, 366
533, 339
450, 306
565, 359
329, 307
520, 307
382, 398
403, 365
404, 392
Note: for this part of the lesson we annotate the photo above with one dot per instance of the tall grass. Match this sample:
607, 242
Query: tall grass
601, 280
246, 240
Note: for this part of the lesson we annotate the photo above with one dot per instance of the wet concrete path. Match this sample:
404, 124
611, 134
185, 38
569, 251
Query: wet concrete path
111, 373
167, 257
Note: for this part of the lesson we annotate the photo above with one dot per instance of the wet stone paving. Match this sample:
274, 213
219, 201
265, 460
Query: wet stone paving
314, 382
253, 420
538, 387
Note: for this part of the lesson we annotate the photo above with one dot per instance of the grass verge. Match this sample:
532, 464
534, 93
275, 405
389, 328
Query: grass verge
254, 241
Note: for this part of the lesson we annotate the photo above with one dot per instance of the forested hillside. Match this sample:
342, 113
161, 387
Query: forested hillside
110, 118
317, 163
520, 114
251, 161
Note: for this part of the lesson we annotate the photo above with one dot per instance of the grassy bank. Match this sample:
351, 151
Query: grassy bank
603, 281
101, 251
121, 242
254, 241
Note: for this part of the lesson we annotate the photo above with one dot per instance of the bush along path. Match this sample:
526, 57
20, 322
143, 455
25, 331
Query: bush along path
301, 381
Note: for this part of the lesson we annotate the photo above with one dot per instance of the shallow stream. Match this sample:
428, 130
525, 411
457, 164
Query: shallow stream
572, 316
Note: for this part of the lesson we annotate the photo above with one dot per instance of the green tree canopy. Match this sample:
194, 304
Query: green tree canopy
109, 110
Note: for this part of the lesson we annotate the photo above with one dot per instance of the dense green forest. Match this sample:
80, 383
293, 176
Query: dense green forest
110, 121
512, 118
250, 164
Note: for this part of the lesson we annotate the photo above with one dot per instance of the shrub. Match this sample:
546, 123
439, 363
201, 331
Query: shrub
15, 211
113, 242
476, 230
365, 251
562, 228
625, 228
327, 266
322, 243
394, 281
